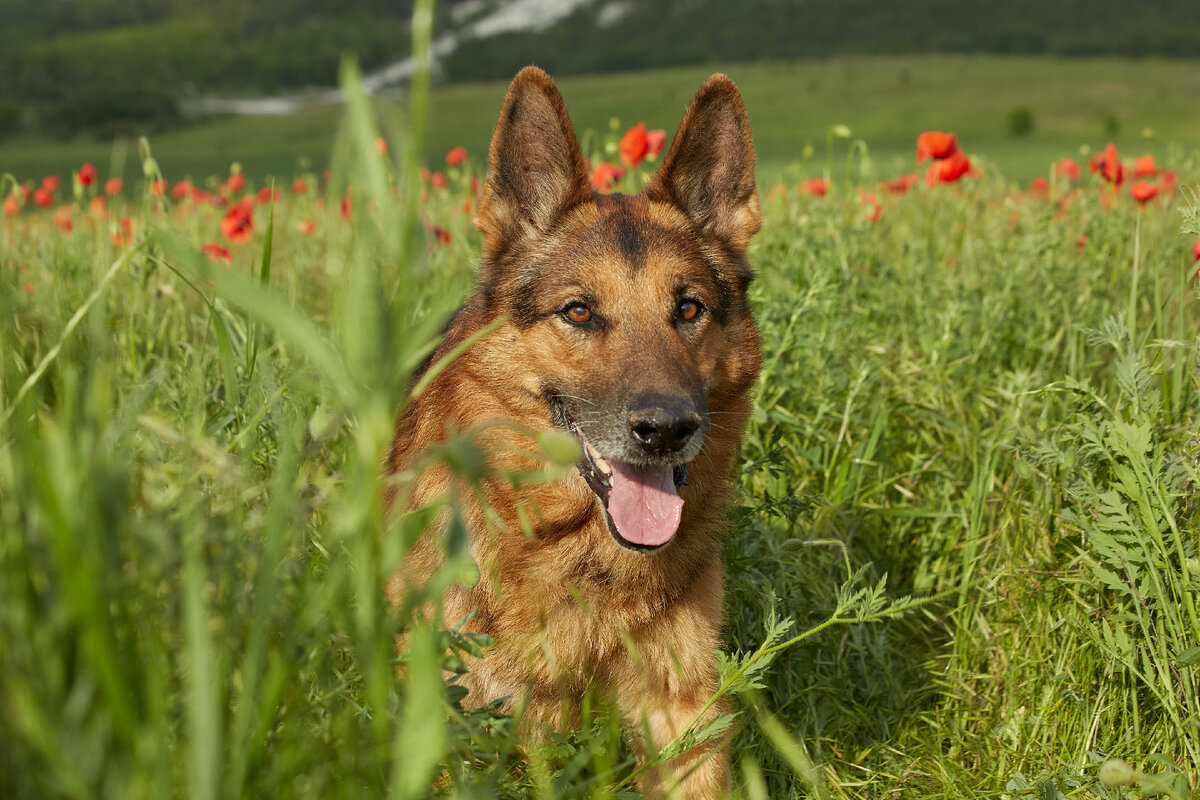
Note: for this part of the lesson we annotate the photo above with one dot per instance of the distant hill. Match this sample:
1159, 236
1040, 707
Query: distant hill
109, 65
633, 34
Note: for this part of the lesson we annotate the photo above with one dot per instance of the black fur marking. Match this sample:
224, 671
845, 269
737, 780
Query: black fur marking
427, 362
629, 239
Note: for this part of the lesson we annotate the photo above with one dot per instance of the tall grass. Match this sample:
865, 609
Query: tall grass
966, 403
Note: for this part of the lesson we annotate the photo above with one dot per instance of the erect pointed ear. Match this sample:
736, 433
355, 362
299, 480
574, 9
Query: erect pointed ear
535, 169
709, 171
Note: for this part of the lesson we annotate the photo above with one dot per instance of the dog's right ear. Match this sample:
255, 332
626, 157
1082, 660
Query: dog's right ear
535, 169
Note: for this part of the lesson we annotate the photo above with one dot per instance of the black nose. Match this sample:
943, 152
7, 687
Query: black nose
662, 425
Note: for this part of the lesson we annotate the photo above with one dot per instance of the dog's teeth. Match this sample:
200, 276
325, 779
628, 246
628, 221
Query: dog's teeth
602, 465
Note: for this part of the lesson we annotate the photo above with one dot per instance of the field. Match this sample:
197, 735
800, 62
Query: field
1071, 103
965, 559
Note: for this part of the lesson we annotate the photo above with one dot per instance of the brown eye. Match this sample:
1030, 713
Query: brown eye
689, 310
578, 314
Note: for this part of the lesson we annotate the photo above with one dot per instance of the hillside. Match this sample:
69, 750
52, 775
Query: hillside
110, 66
633, 34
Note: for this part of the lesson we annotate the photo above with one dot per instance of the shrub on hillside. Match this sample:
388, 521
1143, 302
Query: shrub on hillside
110, 110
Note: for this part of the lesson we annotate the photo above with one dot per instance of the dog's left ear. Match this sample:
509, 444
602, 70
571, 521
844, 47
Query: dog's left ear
709, 170
535, 169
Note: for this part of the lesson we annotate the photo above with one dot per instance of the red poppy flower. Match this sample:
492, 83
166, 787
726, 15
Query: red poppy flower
1107, 165
949, 169
233, 184
381, 145
88, 174
98, 207
217, 253
64, 219
604, 174
817, 187
299, 187
238, 223
1068, 168
438, 180
266, 195
424, 174
655, 140
124, 234
113, 186
347, 208
441, 236
307, 227
159, 186
901, 183
11, 205
1143, 191
51, 183
456, 156
936, 145
1040, 188
871, 206
1169, 178
634, 146
1196, 251
42, 197
182, 189
1144, 167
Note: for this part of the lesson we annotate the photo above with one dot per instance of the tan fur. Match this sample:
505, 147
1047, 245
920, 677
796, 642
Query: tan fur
570, 609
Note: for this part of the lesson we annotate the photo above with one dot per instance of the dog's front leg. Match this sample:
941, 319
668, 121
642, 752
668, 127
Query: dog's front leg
657, 717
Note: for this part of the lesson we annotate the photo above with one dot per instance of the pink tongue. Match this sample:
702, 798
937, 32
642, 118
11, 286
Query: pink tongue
643, 503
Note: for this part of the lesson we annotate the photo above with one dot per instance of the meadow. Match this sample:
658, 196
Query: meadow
882, 100
965, 559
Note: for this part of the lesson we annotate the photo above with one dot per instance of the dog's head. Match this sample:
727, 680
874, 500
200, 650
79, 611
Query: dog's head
628, 313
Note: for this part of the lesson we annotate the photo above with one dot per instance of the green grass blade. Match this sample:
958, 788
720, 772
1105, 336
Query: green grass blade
264, 277
203, 695
227, 360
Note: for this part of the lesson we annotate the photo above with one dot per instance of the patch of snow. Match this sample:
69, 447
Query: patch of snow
524, 15
505, 17
464, 11
612, 13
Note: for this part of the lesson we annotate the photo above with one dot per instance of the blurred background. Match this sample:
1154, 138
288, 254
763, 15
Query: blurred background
213, 82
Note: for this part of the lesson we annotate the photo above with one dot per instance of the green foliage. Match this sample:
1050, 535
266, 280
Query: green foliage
133, 77
10, 117
1020, 121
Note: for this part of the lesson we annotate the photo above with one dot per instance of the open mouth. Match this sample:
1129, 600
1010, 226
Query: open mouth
642, 502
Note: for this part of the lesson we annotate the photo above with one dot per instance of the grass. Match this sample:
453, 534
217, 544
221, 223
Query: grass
981, 400
884, 101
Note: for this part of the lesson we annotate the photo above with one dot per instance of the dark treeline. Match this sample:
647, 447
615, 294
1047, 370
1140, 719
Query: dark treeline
68, 65
653, 33
108, 65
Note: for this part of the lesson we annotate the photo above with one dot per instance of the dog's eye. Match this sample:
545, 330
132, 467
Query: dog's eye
689, 309
577, 314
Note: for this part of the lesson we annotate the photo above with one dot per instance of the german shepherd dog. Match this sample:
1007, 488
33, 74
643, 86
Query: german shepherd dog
623, 321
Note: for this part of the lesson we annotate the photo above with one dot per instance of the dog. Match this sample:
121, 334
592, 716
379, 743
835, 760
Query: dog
623, 321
